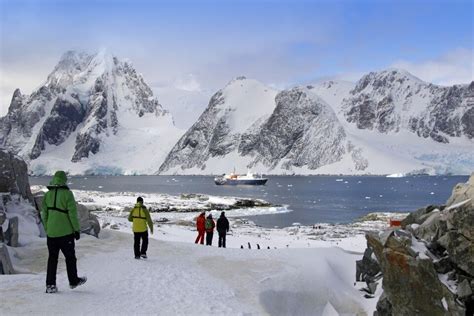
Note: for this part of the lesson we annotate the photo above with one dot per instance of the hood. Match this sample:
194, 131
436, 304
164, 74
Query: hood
59, 179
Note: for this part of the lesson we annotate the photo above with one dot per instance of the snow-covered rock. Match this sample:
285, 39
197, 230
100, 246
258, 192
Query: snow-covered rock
302, 131
394, 100
79, 118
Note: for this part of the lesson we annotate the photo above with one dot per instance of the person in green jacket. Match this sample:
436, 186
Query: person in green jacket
140, 217
59, 216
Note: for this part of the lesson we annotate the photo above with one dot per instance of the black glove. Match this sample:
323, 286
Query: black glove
77, 235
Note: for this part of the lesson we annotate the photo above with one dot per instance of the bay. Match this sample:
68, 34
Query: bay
312, 199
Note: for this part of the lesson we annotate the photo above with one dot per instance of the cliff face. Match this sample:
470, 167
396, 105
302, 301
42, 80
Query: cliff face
14, 176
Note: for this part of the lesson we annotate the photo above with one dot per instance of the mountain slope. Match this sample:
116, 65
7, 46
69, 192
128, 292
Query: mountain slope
79, 117
302, 131
234, 114
388, 122
394, 100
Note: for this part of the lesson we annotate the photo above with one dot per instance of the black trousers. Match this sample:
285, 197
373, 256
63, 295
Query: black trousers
136, 245
209, 238
222, 239
66, 245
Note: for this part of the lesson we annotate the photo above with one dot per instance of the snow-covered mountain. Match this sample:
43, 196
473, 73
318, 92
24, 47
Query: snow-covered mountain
394, 100
234, 114
94, 114
387, 122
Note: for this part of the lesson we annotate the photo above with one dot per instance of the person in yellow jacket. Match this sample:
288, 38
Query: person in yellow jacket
140, 217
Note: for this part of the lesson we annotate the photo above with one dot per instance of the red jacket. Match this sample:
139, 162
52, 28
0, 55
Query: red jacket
201, 223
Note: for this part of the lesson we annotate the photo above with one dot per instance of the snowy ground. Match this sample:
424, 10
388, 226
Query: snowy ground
187, 279
306, 271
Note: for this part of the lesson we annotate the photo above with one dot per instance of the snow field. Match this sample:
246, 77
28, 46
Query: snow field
188, 279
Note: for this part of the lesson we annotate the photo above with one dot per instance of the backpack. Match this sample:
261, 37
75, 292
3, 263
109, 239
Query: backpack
209, 223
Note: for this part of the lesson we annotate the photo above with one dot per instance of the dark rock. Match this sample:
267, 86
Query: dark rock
12, 233
443, 265
464, 290
62, 121
384, 307
14, 176
367, 267
415, 217
6, 266
85, 144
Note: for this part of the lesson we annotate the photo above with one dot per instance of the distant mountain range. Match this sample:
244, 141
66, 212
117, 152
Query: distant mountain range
96, 115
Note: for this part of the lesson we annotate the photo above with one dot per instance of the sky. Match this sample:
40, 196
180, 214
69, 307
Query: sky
187, 50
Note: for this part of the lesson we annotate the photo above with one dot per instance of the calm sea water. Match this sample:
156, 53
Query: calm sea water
313, 199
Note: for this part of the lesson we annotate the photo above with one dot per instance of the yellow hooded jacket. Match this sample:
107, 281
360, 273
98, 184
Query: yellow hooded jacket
140, 217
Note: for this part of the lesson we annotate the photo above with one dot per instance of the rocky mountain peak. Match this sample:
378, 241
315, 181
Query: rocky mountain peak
88, 97
386, 79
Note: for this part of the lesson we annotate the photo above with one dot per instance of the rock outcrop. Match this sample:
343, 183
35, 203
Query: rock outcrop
16, 208
14, 175
88, 222
428, 264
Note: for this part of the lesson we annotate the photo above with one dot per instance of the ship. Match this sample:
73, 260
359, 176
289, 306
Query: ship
236, 179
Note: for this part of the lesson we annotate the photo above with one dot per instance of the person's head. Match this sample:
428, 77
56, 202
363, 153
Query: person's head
223, 214
210, 216
140, 200
59, 178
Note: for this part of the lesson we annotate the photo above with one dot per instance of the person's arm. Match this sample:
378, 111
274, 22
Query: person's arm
149, 221
44, 213
72, 212
227, 225
130, 217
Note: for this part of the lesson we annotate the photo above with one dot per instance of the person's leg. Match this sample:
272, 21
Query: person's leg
53, 250
207, 239
67, 248
197, 238
136, 244
223, 239
210, 239
201, 237
144, 243
219, 242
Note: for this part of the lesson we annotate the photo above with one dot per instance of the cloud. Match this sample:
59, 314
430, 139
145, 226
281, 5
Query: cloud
454, 67
188, 83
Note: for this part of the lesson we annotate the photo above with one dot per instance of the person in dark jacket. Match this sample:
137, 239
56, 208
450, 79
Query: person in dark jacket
222, 229
210, 225
201, 228
59, 216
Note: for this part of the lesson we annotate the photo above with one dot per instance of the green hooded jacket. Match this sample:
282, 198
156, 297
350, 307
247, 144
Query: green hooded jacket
58, 210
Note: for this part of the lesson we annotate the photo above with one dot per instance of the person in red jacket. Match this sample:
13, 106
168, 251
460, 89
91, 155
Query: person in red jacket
210, 224
201, 228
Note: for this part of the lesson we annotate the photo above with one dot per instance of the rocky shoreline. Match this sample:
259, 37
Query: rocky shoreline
426, 266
